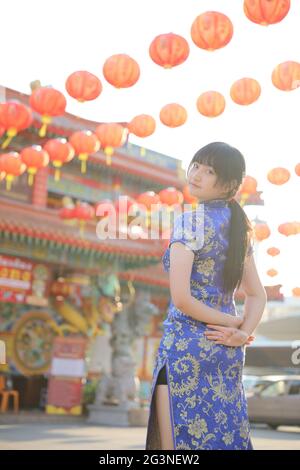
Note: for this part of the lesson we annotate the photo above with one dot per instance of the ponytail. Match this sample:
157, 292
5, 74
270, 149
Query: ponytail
239, 241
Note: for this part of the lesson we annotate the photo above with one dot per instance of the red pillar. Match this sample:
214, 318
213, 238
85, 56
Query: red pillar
40, 191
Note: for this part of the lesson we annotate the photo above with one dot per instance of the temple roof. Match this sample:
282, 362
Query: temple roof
22, 224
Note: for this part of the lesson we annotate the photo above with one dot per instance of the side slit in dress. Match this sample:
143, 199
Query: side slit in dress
153, 439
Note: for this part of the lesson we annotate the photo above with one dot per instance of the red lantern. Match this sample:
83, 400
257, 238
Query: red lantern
111, 135
289, 228
142, 125
149, 200
66, 213
297, 169
83, 86
273, 251
249, 185
34, 158
12, 166
121, 71
284, 229
245, 91
272, 272
83, 212
286, 76
84, 143
60, 152
171, 196
265, 12
173, 115
169, 50
296, 227
278, 175
262, 231
211, 104
14, 117
296, 291
49, 103
211, 30
247, 188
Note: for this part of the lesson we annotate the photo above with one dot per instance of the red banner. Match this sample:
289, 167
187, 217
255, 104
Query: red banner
67, 373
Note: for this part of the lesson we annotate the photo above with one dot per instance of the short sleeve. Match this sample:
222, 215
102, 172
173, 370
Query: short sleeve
189, 230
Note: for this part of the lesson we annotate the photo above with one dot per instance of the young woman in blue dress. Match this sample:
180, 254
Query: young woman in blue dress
214, 176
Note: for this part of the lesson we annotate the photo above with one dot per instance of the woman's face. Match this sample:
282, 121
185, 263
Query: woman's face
202, 182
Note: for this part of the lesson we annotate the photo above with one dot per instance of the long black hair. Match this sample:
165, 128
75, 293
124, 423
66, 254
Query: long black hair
229, 165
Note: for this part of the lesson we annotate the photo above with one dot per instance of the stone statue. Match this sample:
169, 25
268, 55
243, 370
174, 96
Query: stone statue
122, 387
119, 388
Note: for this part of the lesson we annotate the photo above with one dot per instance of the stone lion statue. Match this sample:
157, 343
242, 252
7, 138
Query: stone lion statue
120, 388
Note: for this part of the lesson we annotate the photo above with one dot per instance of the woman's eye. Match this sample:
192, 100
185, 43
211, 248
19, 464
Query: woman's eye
209, 170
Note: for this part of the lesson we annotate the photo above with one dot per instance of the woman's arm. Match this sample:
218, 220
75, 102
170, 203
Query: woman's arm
256, 296
254, 306
181, 262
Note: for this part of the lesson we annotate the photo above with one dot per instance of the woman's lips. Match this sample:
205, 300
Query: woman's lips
195, 186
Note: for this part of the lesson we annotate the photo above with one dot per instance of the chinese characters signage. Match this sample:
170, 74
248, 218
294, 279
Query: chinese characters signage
22, 281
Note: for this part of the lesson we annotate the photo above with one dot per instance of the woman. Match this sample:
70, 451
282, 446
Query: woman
197, 396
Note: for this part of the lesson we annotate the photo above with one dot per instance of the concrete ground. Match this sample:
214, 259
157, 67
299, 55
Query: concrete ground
81, 436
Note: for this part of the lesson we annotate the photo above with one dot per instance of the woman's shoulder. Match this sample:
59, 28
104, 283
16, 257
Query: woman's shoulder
188, 229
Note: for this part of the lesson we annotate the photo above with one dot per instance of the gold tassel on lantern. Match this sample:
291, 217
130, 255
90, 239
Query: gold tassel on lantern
108, 152
83, 158
57, 164
46, 120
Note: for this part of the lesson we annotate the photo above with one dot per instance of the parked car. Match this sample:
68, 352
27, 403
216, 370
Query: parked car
249, 381
275, 400
254, 382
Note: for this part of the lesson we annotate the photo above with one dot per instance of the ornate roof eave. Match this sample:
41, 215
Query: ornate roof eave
22, 224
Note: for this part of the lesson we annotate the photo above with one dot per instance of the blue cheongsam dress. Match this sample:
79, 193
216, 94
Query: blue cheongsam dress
208, 407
